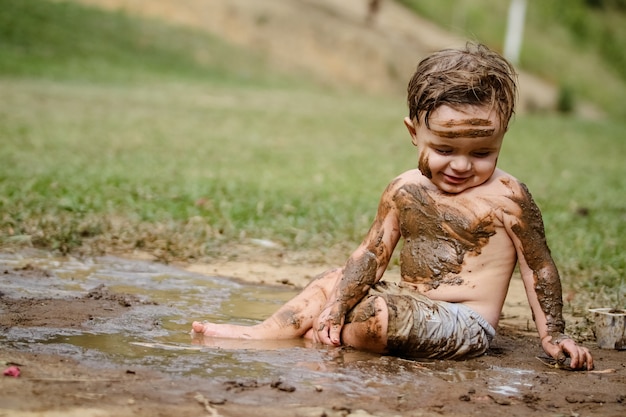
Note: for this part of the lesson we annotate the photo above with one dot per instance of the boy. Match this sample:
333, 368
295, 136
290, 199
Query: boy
465, 225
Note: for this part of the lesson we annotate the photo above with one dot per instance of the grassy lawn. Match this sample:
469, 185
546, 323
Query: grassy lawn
182, 152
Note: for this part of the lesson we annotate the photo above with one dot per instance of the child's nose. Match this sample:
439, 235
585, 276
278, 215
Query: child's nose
461, 163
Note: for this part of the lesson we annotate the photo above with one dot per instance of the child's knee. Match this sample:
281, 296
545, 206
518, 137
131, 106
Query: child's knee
326, 280
372, 314
367, 328
372, 307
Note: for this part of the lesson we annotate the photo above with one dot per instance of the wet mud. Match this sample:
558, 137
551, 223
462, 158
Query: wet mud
109, 337
441, 235
537, 255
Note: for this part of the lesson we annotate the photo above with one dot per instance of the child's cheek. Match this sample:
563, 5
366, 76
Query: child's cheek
424, 167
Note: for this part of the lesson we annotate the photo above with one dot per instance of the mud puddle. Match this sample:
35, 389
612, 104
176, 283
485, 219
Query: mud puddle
113, 313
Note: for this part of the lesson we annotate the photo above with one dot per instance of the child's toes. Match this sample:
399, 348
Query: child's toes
197, 327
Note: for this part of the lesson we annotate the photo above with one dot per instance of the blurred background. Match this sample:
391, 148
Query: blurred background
570, 52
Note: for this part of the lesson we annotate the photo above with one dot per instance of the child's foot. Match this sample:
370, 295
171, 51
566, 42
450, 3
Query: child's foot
227, 331
206, 329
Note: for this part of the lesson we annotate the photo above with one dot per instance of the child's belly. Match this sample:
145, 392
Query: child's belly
483, 292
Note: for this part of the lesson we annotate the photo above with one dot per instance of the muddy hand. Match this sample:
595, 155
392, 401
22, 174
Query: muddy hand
328, 327
580, 357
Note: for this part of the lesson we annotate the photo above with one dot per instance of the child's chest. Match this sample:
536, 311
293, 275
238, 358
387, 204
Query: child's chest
431, 215
441, 231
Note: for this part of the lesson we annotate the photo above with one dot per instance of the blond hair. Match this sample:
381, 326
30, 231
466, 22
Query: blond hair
475, 76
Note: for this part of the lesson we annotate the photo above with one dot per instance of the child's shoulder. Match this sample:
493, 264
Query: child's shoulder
506, 193
407, 178
504, 184
501, 182
412, 176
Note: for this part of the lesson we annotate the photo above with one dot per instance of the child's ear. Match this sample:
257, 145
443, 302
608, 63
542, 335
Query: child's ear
410, 126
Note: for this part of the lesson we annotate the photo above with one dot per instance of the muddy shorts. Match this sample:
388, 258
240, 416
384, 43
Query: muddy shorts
423, 328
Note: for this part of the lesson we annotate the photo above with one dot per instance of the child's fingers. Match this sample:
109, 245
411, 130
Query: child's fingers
579, 355
335, 334
323, 334
581, 361
328, 333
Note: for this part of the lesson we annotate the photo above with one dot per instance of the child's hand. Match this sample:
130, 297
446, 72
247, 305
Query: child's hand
580, 357
327, 327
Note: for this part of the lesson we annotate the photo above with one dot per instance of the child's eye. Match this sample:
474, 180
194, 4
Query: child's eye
482, 154
441, 151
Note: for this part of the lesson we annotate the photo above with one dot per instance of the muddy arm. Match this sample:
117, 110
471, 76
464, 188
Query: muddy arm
542, 281
543, 289
540, 275
362, 270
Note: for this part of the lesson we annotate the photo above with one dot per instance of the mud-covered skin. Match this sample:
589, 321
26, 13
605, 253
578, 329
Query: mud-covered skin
423, 166
442, 232
437, 237
368, 312
359, 276
547, 283
290, 318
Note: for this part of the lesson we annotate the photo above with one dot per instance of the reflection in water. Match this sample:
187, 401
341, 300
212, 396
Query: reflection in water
157, 336
507, 381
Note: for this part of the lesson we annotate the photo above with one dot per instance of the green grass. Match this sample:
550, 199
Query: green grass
253, 162
66, 41
181, 160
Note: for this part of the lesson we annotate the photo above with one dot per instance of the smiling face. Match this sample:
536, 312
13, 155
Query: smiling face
458, 147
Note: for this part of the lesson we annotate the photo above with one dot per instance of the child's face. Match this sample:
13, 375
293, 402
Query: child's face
460, 148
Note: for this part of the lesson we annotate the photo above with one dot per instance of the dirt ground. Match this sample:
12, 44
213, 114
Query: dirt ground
64, 385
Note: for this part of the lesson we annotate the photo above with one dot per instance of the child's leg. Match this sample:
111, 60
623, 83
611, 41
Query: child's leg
292, 320
367, 329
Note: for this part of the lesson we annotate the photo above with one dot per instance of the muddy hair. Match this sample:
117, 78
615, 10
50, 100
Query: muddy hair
475, 76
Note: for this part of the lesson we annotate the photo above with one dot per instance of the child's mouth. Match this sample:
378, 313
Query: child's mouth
455, 180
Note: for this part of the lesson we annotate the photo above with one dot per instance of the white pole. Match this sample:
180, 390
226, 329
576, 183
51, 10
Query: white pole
514, 30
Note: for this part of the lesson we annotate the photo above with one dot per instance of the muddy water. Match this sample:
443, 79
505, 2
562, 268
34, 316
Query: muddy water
154, 333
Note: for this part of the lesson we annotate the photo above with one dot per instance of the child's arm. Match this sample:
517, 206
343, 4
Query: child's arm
542, 282
363, 269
